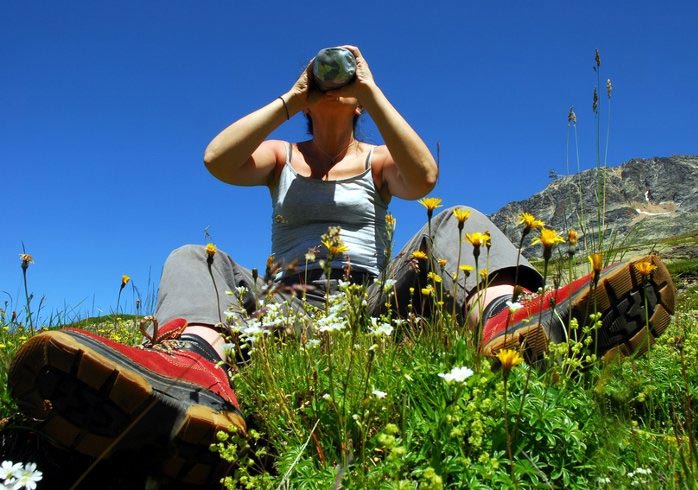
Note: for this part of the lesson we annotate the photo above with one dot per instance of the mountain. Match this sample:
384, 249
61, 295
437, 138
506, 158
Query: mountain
647, 201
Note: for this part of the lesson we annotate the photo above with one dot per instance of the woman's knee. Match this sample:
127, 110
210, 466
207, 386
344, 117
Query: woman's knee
448, 214
188, 250
191, 252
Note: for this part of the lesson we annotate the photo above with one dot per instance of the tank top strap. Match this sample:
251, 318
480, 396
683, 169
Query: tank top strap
289, 149
369, 157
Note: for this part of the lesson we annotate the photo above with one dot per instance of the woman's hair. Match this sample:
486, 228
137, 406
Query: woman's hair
309, 123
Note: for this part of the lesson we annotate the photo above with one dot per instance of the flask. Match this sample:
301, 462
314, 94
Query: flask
333, 68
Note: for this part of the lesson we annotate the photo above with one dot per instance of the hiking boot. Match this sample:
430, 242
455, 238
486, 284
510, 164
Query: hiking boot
166, 399
618, 295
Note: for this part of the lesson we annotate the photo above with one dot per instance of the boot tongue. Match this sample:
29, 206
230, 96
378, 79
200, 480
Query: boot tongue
193, 343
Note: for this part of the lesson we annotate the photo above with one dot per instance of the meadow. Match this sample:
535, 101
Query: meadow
356, 401
389, 402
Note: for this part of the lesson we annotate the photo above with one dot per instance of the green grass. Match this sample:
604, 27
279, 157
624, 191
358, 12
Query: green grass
572, 426
320, 416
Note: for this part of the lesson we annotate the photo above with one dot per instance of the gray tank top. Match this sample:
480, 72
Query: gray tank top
304, 207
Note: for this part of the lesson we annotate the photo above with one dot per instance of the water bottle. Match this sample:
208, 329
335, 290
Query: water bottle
333, 68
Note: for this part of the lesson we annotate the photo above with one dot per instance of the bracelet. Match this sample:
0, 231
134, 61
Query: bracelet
288, 116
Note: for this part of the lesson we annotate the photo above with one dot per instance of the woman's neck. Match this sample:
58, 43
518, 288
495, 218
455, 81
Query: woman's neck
331, 141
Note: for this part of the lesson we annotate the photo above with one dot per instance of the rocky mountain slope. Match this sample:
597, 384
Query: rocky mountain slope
647, 201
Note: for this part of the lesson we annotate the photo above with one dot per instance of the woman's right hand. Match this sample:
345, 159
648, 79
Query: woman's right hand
303, 94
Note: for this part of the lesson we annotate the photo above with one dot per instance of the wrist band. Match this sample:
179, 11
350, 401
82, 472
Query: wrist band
288, 116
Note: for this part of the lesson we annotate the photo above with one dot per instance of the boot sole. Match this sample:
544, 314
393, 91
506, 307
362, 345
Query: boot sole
84, 400
620, 297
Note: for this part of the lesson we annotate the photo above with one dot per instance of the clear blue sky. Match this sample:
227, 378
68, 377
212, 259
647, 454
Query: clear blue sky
106, 108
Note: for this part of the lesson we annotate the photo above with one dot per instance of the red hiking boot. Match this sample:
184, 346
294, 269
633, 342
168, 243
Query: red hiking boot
618, 295
96, 396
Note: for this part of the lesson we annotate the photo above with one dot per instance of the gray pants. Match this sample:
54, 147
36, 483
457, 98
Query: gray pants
187, 289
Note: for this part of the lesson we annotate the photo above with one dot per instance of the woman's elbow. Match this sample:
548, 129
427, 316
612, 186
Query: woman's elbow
210, 157
431, 176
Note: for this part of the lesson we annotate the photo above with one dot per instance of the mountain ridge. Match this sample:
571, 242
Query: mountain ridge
647, 200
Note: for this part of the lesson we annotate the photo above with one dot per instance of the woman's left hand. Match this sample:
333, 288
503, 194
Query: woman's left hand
362, 84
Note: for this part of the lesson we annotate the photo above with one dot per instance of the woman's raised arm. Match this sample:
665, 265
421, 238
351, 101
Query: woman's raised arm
240, 155
408, 167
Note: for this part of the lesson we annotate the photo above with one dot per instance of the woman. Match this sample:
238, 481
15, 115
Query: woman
173, 389
331, 180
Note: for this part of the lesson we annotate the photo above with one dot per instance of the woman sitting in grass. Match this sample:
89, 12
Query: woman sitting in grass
330, 222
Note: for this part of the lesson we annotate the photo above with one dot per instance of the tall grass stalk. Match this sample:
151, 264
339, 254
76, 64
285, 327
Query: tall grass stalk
26, 260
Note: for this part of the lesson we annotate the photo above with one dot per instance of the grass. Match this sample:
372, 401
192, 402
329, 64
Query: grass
410, 402
370, 410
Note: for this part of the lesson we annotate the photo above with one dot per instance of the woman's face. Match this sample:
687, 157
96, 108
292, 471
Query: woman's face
335, 106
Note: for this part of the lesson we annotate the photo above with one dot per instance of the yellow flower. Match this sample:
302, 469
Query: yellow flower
434, 277
483, 274
466, 268
26, 260
645, 268
548, 238
596, 261
334, 247
509, 358
478, 239
390, 220
529, 221
419, 255
333, 242
572, 237
124, 280
210, 252
442, 262
427, 291
431, 203
461, 215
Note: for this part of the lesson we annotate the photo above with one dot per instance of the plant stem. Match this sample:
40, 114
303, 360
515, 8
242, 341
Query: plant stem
455, 279
26, 296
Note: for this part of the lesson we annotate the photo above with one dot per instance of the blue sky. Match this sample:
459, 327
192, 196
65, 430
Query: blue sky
106, 108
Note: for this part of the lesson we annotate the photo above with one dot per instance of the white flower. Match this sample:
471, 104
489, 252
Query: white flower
459, 374
379, 393
389, 283
514, 306
312, 343
27, 477
640, 471
252, 332
331, 323
8, 469
380, 329
326, 396
241, 290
